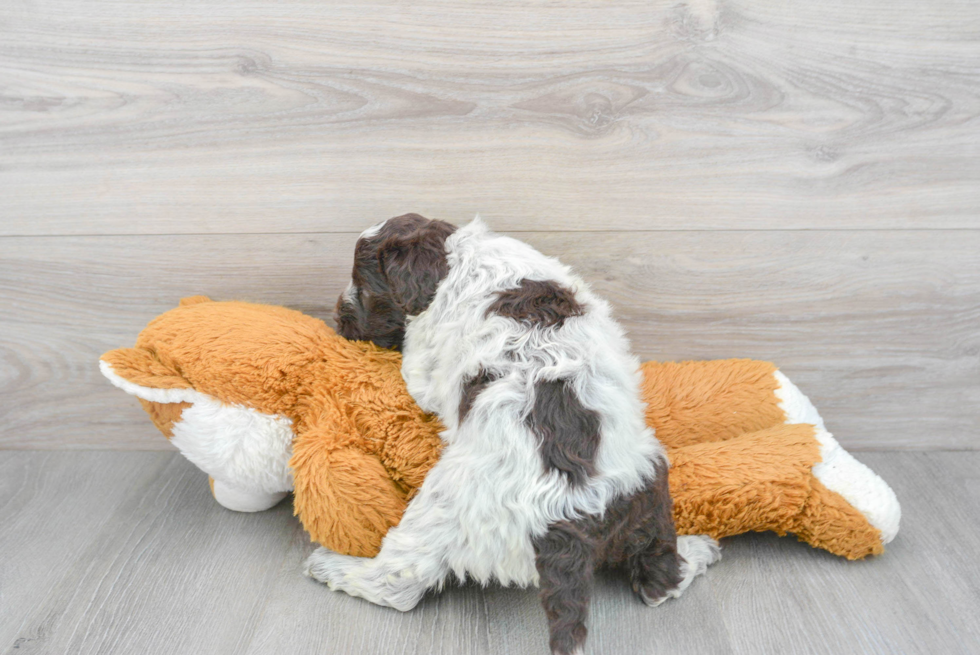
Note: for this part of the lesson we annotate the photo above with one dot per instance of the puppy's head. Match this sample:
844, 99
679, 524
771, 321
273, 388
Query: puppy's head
397, 267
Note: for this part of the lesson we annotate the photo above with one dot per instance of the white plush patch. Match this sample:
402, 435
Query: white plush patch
238, 445
838, 470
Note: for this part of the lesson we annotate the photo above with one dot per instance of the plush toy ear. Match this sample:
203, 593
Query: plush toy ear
141, 367
413, 264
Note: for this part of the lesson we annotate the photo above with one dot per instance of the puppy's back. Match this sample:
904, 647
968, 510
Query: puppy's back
516, 344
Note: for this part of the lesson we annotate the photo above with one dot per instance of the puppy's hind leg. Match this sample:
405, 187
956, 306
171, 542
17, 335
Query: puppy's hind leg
662, 572
415, 555
697, 553
663, 564
656, 571
565, 559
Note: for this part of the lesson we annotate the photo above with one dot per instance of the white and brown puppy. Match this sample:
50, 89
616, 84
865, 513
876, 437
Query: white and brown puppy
549, 470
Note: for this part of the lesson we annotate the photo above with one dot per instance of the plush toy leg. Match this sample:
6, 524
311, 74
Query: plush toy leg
241, 500
839, 472
831, 523
767, 481
344, 497
757, 482
412, 559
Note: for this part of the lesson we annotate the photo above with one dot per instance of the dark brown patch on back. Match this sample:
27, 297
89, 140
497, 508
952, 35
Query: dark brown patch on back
543, 303
471, 389
568, 433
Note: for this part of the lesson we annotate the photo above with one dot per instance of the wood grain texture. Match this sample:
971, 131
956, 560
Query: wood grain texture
52, 506
878, 328
235, 116
168, 571
147, 562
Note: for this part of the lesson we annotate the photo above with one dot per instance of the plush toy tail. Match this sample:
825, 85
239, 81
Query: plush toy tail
758, 482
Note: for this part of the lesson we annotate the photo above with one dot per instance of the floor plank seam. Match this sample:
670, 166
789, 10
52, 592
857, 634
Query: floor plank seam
503, 230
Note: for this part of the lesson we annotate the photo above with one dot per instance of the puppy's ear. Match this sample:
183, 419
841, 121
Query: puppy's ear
414, 263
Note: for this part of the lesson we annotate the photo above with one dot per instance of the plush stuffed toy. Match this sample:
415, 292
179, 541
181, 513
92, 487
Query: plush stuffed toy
267, 400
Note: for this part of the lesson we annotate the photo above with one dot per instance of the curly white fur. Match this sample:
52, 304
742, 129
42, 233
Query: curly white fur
488, 496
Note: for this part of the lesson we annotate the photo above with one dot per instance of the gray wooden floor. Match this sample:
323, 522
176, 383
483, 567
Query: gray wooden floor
794, 181
126, 552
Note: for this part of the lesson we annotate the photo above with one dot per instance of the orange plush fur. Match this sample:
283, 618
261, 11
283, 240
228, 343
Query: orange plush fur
362, 446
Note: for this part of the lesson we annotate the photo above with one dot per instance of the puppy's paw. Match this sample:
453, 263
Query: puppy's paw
696, 554
366, 578
653, 601
699, 551
329, 567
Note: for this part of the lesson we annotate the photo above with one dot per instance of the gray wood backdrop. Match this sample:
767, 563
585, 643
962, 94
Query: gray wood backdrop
795, 181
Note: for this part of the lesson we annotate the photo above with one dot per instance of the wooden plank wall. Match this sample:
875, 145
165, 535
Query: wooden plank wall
793, 181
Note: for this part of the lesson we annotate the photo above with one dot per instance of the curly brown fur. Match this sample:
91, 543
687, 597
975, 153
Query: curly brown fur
636, 532
396, 272
564, 557
568, 433
471, 389
541, 303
